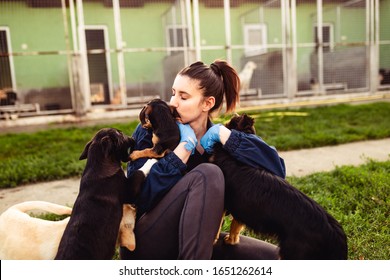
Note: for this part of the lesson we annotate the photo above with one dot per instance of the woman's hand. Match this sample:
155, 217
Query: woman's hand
187, 135
218, 133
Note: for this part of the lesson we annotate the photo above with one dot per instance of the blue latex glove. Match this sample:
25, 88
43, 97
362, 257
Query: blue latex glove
210, 138
187, 135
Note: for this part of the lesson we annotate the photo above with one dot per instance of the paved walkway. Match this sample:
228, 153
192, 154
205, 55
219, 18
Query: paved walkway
298, 163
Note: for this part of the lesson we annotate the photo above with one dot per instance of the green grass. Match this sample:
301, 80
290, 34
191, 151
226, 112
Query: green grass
322, 126
45, 155
358, 197
53, 154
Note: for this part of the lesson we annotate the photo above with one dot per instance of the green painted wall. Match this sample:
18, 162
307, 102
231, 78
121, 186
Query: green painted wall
36, 30
136, 33
384, 34
42, 29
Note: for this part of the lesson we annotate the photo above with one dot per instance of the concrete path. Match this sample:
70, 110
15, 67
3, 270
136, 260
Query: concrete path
307, 161
298, 163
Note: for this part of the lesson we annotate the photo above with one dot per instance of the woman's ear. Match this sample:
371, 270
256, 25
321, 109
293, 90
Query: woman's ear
208, 103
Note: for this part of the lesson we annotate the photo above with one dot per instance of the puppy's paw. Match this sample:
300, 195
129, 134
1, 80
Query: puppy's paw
129, 246
134, 156
232, 239
126, 237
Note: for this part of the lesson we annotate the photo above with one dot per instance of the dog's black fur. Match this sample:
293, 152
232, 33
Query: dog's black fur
158, 116
268, 204
93, 228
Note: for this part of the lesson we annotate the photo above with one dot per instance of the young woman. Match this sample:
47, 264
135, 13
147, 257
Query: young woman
181, 203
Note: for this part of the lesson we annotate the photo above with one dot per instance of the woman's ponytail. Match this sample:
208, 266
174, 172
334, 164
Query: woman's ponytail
231, 83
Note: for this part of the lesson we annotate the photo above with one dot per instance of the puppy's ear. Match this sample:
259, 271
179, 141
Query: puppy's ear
247, 124
148, 111
144, 116
84, 154
106, 145
250, 121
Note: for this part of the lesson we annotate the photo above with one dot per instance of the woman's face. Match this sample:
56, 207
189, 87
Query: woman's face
188, 99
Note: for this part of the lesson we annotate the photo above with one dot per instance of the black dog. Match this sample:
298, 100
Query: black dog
268, 204
158, 116
93, 227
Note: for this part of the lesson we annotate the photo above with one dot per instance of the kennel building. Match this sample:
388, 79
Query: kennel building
73, 57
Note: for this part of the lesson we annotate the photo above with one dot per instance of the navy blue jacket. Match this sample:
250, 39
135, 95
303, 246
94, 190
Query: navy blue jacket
247, 148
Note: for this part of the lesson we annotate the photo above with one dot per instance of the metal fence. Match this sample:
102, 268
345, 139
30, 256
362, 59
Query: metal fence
61, 56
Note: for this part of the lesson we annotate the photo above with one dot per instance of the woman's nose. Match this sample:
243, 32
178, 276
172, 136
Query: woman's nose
173, 101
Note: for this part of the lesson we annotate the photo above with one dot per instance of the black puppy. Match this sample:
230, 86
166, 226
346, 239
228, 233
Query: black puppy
93, 227
268, 204
158, 116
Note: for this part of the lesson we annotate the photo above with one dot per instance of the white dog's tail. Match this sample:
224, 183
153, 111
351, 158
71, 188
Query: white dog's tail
42, 205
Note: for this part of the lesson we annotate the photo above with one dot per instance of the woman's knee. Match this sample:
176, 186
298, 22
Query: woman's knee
210, 169
212, 176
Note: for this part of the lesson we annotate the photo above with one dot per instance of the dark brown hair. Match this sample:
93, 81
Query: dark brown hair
218, 80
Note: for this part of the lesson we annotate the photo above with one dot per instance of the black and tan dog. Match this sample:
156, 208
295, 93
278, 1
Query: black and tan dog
93, 227
158, 116
270, 205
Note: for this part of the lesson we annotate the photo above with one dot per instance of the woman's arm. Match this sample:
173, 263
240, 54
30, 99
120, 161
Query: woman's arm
247, 148
252, 150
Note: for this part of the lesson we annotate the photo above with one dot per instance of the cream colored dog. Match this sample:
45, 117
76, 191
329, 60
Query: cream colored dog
246, 75
23, 237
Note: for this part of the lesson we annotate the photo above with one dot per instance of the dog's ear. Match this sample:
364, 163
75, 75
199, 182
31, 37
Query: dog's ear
84, 154
234, 121
247, 124
106, 144
248, 120
144, 116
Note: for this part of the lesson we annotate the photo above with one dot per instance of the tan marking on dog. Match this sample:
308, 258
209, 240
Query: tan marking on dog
126, 237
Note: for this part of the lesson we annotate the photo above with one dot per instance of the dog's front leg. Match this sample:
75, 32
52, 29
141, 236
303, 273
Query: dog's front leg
147, 153
138, 154
234, 235
126, 237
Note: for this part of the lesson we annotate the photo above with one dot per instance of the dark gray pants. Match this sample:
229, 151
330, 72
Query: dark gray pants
183, 225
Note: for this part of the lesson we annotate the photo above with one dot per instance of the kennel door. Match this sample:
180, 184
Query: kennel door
97, 65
